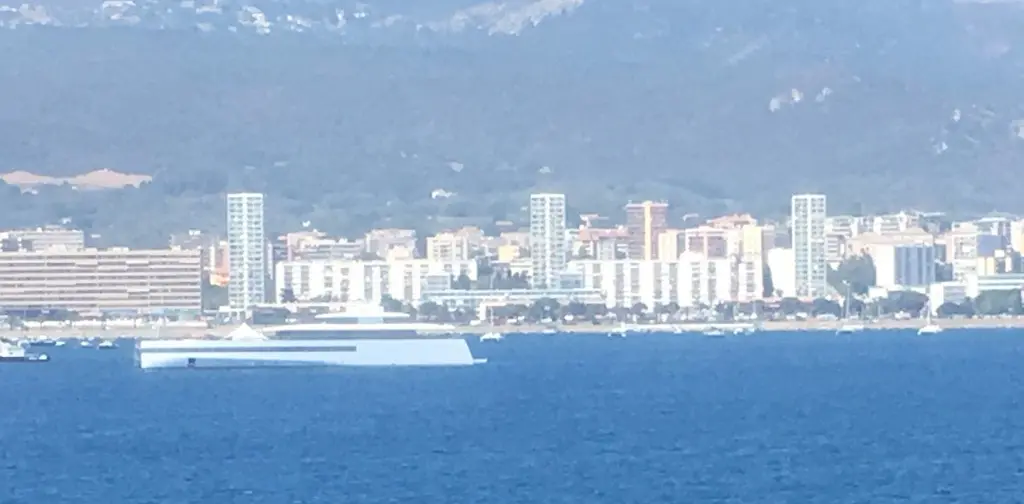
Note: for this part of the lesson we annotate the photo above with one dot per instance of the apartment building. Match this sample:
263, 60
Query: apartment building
711, 242
447, 247
690, 281
807, 218
644, 223
114, 280
368, 281
547, 239
967, 246
601, 243
247, 250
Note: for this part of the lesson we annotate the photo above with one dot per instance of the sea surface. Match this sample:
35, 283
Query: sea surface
875, 418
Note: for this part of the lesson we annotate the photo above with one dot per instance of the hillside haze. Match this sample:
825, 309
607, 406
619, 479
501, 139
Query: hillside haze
350, 114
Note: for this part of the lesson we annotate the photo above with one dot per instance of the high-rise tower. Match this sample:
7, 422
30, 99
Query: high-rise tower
247, 249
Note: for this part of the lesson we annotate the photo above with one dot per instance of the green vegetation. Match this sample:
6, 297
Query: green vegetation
214, 296
352, 136
1006, 302
857, 272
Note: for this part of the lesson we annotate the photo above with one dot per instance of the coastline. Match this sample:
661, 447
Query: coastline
687, 327
765, 326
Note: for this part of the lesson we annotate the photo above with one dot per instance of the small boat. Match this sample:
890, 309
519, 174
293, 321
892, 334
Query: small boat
929, 326
492, 336
106, 345
714, 333
15, 353
43, 342
85, 344
849, 329
60, 343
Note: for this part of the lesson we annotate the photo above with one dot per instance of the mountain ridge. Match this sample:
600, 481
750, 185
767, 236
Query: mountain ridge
714, 107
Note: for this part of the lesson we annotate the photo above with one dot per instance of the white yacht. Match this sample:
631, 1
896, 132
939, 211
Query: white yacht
365, 336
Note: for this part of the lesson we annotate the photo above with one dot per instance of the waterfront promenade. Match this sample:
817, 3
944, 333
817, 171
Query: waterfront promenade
768, 326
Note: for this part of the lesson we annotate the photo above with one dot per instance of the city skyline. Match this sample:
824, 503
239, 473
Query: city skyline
646, 260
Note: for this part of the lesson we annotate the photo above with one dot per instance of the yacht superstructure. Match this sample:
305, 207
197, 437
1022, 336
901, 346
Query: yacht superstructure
358, 337
15, 353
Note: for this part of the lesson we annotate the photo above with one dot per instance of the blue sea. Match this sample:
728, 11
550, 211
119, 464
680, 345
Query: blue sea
880, 417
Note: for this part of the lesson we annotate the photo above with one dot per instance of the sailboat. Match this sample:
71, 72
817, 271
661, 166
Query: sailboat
929, 326
845, 326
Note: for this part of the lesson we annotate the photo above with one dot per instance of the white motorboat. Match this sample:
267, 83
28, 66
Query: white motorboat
492, 336
849, 329
42, 342
106, 345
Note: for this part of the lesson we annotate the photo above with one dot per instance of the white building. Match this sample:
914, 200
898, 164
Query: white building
781, 262
547, 239
1017, 235
247, 251
903, 265
747, 283
368, 281
976, 284
808, 214
945, 292
690, 281
962, 251
627, 282
891, 224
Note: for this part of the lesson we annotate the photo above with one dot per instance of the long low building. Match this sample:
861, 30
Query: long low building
369, 281
113, 280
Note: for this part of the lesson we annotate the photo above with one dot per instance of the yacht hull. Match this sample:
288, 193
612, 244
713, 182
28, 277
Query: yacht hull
25, 358
278, 353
